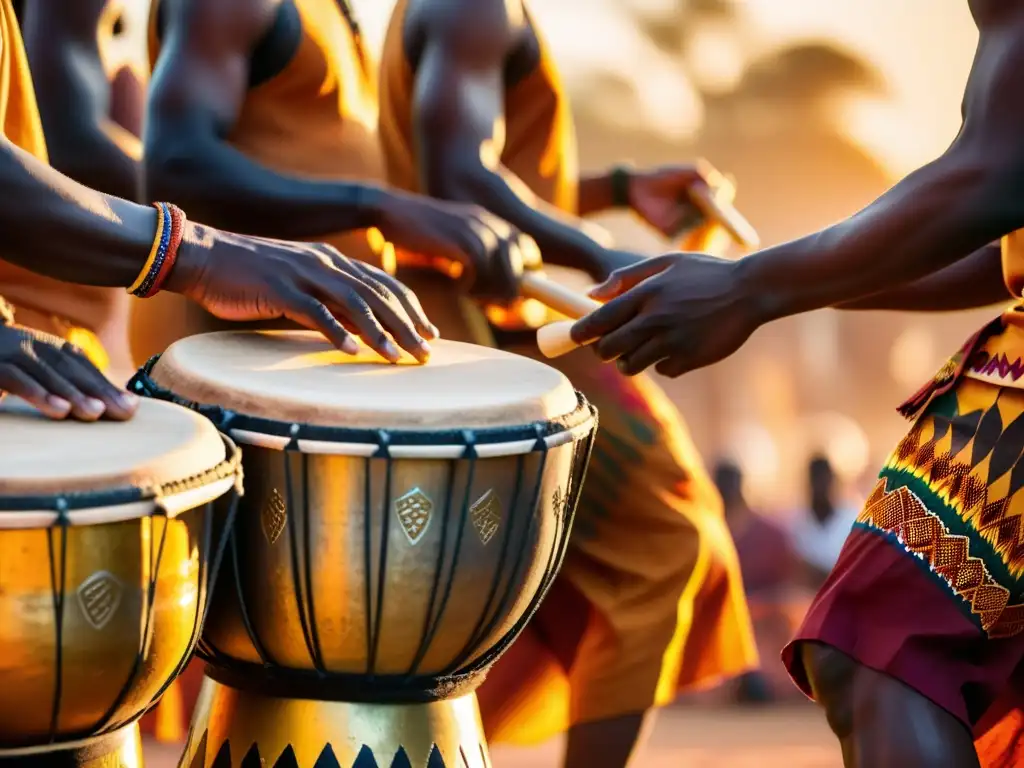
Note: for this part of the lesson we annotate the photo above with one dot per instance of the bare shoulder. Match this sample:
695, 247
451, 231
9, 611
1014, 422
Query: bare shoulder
224, 20
67, 19
469, 25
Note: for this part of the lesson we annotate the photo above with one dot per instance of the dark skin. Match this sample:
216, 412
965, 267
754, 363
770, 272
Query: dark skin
64, 53
698, 309
197, 92
57, 378
462, 48
686, 311
973, 282
98, 239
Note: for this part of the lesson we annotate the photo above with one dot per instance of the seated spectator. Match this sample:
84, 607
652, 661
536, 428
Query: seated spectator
820, 532
766, 562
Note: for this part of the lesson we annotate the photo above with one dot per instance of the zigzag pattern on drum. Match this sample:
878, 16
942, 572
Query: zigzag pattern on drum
328, 759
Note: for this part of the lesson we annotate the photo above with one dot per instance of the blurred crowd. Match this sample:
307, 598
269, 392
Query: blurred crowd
785, 556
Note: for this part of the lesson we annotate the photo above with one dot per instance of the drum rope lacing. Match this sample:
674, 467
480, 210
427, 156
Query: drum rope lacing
209, 565
460, 674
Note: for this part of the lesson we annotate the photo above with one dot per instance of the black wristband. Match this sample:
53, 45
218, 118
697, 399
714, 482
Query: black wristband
619, 181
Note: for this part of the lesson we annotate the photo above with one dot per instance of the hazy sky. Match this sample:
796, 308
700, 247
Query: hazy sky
923, 48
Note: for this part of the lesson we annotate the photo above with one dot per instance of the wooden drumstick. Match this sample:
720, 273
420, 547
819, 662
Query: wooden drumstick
535, 285
717, 207
554, 339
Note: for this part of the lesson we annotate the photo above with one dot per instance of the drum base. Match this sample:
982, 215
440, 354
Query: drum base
240, 729
120, 749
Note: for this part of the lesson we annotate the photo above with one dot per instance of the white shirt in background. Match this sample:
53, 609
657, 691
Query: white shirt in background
820, 543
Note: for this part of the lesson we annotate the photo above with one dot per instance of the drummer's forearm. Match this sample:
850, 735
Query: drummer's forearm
56, 227
933, 218
562, 239
222, 187
973, 282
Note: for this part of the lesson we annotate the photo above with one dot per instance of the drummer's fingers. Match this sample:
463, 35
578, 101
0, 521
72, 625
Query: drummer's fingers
15, 381
409, 301
305, 310
385, 311
83, 407
343, 300
75, 367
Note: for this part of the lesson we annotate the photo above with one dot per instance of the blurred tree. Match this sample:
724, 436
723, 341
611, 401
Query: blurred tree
809, 72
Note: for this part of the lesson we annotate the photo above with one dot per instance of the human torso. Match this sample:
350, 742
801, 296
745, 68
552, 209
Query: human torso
312, 113
316, 116
540, 138
539, 141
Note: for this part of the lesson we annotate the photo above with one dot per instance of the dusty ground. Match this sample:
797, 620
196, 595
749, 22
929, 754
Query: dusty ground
783, 737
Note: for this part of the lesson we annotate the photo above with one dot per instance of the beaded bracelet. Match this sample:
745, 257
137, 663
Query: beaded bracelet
169, 231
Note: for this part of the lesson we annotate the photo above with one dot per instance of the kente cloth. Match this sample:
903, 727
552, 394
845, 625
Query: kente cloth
928, 587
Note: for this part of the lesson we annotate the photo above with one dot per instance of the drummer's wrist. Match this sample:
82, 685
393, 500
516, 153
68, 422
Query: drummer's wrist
191, 262
611, 260
366, 205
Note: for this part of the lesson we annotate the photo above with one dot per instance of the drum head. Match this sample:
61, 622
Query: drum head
163, 444
297, 377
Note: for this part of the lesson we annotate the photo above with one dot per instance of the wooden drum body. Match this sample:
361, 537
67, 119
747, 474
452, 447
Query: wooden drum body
108, 535
400, 526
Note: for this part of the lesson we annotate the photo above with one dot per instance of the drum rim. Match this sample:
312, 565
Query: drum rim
167, 499
400, 442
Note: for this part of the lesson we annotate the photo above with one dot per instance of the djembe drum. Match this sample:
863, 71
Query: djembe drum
401, 524
108, 536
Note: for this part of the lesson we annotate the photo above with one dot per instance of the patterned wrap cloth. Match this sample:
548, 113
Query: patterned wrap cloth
929, 587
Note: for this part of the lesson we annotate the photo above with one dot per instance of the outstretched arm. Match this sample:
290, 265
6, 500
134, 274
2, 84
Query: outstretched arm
973, 282
689, 310
74, 94
458, 113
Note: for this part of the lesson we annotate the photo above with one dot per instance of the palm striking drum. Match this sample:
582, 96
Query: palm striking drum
108, 535
401, 524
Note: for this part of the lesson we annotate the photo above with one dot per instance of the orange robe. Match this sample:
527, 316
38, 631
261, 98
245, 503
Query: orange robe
316, 118
62, 309
650, 600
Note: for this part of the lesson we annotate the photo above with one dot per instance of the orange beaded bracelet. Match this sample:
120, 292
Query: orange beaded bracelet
169, 232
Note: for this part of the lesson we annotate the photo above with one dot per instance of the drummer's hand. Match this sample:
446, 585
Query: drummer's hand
54, 376
661, 196
246, 278
677, 312
492, 253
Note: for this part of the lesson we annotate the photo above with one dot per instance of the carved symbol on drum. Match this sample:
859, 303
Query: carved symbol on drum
486, 516
274, 516
414, 510
99, 596
559, 502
